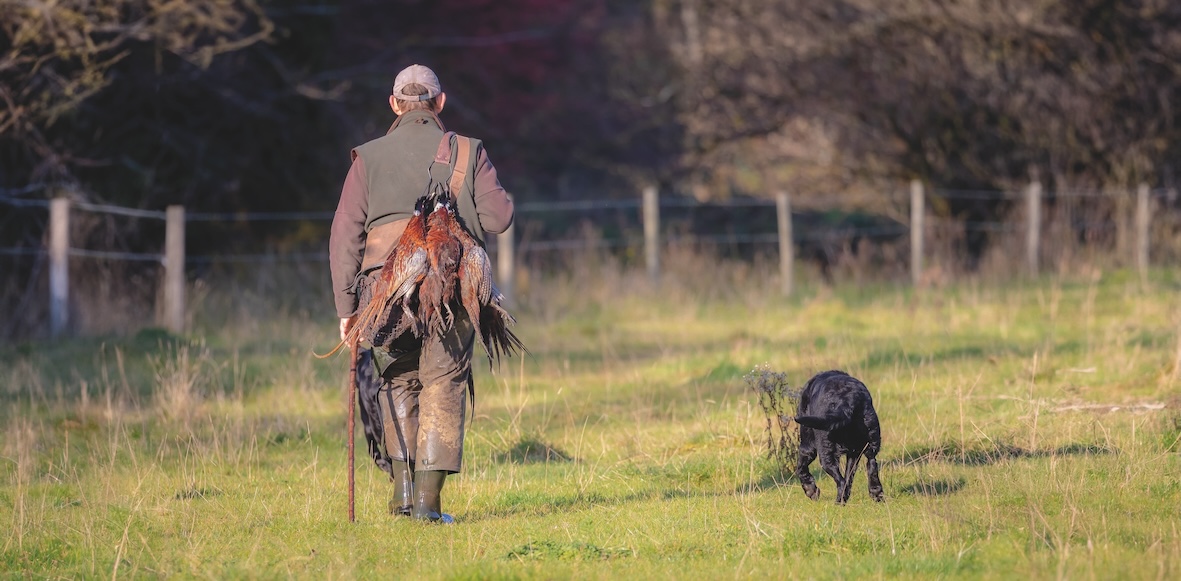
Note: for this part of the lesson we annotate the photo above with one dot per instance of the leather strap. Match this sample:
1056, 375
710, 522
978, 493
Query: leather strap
463, 147
443, 154
463, 152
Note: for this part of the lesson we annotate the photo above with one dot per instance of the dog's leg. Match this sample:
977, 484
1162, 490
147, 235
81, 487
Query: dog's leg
875, 484
807, 455
871, 459
830, 460
846, 489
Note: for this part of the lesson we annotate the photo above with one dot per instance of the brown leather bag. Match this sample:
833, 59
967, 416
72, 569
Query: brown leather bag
380, 242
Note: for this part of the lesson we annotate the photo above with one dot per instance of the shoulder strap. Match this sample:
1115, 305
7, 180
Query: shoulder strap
443, 154
463, 147
441, 162
463, 150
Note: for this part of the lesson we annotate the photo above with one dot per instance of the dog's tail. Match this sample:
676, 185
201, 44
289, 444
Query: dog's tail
825, 423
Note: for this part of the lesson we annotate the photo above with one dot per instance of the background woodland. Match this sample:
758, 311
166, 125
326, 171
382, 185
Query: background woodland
247, 104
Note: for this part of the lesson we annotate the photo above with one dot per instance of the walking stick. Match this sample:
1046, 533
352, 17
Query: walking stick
352, 421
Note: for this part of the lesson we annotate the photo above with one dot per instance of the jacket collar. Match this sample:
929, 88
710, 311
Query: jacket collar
418, 115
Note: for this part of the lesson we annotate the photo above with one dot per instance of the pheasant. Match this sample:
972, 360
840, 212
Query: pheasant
480, 297
403, 271
443, 251
435, 255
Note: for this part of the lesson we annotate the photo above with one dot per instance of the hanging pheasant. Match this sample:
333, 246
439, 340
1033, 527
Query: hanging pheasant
443, 251
392, 292
480, 297
436, 256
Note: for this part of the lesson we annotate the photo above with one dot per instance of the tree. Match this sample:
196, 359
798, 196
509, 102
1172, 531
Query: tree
962, 94
58, 55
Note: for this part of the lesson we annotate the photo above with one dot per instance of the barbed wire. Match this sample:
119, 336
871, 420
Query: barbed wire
990, 227
16, 192
257, 216
832, 233
1047, 194
712, 239
575, 244
720, 239
23, 202
110, 255
118, 210
976, 194
580, 205
21, 251
258, 258
559, 206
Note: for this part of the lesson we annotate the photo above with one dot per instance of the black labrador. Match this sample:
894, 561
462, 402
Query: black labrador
836, 418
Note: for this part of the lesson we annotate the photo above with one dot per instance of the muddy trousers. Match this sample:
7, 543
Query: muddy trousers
423, 396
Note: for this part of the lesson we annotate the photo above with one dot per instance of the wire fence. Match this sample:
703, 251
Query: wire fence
949, 230
540, 240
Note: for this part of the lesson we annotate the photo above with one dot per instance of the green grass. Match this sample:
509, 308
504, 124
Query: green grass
1029, 430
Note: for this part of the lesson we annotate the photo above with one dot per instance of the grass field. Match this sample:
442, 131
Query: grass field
1030, 431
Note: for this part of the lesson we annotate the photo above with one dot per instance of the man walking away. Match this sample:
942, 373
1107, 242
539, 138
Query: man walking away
412, 391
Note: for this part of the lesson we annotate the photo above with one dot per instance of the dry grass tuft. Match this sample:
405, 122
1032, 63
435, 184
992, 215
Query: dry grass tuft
181, 380
20, 443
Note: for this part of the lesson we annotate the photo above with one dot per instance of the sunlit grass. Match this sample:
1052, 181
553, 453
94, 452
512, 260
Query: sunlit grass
1029, 430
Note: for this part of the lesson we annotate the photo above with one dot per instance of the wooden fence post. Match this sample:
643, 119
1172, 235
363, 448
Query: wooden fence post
1143, 219
59, 265
917, 213
1033, 222
786, 250
506, 262
174, 269
652, 232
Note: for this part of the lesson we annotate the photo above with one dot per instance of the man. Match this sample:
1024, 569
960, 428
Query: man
420, 383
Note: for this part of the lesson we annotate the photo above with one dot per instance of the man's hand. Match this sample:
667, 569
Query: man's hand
346, 325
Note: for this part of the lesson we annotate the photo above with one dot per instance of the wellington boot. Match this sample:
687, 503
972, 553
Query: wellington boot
428, 485
403, 500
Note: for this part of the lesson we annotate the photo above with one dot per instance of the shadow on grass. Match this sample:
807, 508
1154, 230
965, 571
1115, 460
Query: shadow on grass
197, 492
547, 550
773, 477
540, 503
934, 488
535, 503
954, 453
639, 353
891, 357
531, 450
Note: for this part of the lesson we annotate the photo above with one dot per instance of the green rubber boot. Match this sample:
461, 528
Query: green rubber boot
428, 484
403, 500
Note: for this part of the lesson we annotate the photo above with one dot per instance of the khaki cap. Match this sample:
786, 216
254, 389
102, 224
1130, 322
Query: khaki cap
417, 74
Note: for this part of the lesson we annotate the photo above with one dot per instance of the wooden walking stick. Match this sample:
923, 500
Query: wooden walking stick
352, 421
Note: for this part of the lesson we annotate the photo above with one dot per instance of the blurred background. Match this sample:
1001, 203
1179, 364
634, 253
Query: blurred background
244, 112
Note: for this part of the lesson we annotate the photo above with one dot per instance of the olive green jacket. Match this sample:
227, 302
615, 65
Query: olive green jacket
387, 176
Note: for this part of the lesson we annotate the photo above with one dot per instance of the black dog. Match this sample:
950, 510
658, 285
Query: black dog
836, 417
